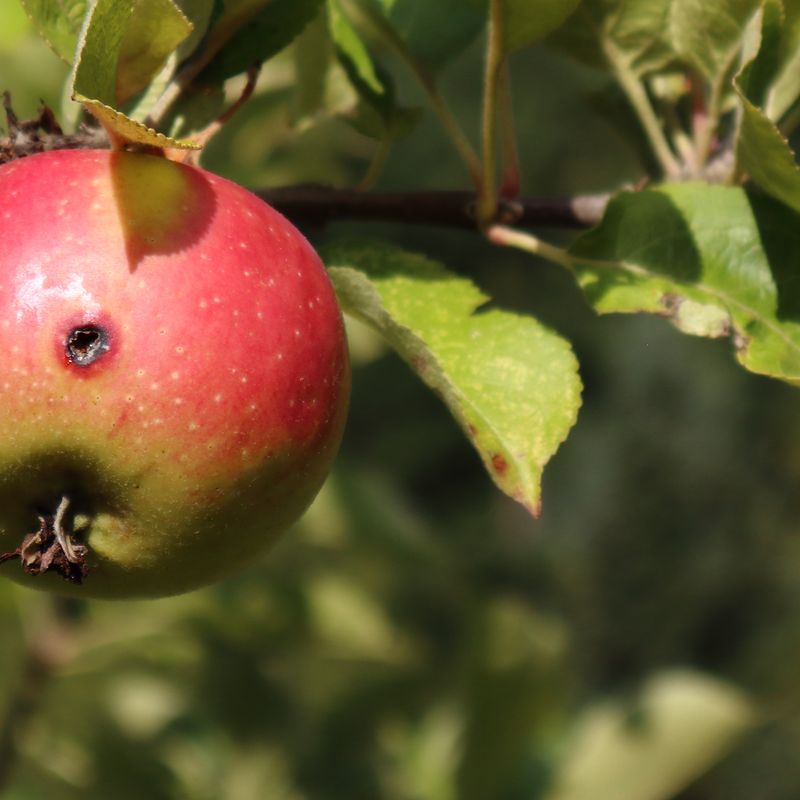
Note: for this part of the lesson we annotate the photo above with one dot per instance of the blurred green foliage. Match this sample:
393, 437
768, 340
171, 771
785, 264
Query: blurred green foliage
418, 636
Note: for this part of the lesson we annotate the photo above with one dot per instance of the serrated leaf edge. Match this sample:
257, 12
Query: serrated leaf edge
456, 401
151, 135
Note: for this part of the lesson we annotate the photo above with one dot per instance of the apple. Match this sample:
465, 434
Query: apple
174, 379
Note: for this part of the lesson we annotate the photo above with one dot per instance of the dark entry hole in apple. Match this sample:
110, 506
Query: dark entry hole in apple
86, 344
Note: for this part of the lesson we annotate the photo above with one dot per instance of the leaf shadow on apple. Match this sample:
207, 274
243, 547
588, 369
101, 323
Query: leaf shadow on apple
162, 208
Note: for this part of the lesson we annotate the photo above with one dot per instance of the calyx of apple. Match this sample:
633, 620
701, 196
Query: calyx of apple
174, 378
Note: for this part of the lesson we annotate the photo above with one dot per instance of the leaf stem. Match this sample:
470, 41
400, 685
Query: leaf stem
510, 237
495, 56
372, 20
704, 135
376, 165
203, 137
637, 97
511, 181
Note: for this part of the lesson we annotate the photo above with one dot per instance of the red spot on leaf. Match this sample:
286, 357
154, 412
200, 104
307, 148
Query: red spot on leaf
499, 464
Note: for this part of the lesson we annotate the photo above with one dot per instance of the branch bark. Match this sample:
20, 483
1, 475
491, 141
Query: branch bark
317, 205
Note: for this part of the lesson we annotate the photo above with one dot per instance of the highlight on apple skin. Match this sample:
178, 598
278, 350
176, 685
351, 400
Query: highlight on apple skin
174, 379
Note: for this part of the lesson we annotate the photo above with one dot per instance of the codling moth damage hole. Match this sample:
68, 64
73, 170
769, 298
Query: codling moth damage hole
86, 343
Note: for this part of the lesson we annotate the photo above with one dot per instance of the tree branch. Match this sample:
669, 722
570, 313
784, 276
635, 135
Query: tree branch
313, 204
317, 205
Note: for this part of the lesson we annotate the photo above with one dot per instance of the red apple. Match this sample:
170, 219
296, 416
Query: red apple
174, 380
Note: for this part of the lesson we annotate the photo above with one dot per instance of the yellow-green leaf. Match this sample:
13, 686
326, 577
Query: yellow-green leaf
511, 384
123, 45
58, 23
129, 129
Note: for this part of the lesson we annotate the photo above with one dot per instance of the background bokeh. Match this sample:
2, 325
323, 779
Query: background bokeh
418, 636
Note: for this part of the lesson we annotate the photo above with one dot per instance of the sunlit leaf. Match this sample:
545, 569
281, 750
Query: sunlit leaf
762, 153
638, 31
58, 22
510, 383
653, 746
715, 260
116, 56
765, 155
155, 29
130, 130
378, 115
649, 34
354, 55
761, 53
785, 89
708, 35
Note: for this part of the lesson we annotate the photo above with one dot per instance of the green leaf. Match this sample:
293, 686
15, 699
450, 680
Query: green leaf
122, 47
764, 154
378, 115
715, 260
638, 32
511, 384
256, 39
58, 22
436, 32
313, 59
525, 23
709, 35
761, 150
760, 53
355, 57
130, 130
651, 748
155, 30
199, 13
785, 89
647, 35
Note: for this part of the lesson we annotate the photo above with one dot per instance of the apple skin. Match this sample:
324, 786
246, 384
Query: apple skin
211, 420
